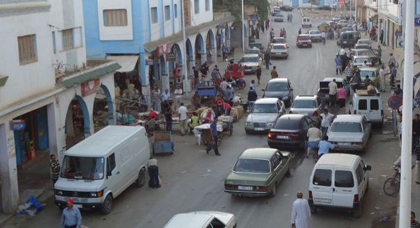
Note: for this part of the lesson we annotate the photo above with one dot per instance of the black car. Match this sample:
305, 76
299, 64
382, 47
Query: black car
280, 88
289, 132
286, 8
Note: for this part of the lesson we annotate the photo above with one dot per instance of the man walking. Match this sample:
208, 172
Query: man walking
324, 147
258, 71
183, 118
55, 168
71, 217
326, 119
214, 138
301, 213
274, 73
314, 136
332, 92
382, 76
267, 59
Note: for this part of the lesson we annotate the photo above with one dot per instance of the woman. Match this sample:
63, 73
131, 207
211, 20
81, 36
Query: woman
341, 96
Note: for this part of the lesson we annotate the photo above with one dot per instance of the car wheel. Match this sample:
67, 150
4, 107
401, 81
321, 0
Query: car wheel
141, 179
313, 210
107, 205
274, 190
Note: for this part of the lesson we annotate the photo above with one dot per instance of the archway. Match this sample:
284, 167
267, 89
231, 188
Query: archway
227, 35
103, 107
236, 34
200, 56
210, 47
77, 122
175, 67
190, 56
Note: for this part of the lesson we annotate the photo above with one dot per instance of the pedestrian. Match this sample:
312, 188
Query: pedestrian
379, 54
299, 31
337, 65
274, 73
262, 29
252, 97
393, 75
168, 120
258, 72
196, 76
71, 217
332, 92
398, 91
414, 223
215, 74
373, 33
224, 84
178, 95
382, 76
224, 52
356, 80
301, 212
194, 121
391, 61
367, 81
267, 58
381, 36
183, 119
214, 138
153, 170
324, 146
157, 99
165, 95
196, 100
349, 71
341, 98
326, 120
254, 87
55, 168
314, 136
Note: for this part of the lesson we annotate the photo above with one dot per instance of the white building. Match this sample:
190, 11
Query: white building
47, 88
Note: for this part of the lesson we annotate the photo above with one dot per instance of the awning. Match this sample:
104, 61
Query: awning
127, 62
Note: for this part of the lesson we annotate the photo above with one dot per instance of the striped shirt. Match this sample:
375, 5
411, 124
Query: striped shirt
55, 169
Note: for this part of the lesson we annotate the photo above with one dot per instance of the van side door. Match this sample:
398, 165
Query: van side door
322, 189
112, 174
344, 188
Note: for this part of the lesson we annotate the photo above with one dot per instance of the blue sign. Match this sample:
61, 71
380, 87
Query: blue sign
253, 19
398, 33
395, 102
17, 125
417, 21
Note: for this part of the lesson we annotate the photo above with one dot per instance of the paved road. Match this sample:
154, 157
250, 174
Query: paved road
193, 180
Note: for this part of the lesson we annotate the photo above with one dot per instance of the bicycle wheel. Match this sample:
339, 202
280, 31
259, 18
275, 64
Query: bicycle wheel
391, 186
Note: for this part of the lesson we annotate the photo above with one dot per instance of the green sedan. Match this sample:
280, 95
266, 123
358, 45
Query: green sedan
257, 172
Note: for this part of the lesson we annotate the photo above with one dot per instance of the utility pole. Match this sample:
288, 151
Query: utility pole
243, 27
405, 190
184, 50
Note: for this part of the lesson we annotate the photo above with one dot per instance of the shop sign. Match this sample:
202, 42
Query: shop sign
170, 57
17, 125
90, 87
150, 62
164, 49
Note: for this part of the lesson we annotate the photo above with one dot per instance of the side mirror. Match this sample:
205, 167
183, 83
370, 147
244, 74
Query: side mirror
367, 168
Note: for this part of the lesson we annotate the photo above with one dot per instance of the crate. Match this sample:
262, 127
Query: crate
162, 136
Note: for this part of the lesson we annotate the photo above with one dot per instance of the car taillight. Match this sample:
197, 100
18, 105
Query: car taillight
310, 195
228, 186
290, 112
261, 187
270, 135
356, 198
294, 136
315, 113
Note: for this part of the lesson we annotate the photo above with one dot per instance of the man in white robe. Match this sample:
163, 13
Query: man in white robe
301, 213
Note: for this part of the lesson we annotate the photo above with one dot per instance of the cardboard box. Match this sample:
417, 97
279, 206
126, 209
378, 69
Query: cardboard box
240, 111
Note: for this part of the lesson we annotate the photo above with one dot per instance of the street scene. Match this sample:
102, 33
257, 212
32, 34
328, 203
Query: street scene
192, 113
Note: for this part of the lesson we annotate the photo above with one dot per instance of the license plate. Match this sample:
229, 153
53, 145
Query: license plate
247, 188
78, 205
304, 44
259, 129
322, 200
344, 144
344, 42
282, 137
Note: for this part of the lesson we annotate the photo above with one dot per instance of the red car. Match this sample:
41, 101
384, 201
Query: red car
303, 40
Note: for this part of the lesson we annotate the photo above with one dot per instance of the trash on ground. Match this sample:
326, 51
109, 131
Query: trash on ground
31, 207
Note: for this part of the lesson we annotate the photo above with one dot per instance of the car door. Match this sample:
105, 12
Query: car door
344, 188
374, 109
277, 168
322, 189
112, 174
361, 176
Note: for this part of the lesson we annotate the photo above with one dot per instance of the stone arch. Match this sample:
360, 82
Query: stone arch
210, 47
200, 50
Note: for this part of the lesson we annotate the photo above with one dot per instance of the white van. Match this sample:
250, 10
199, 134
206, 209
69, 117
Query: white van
369, 105
306, 22
339, 181
98, 169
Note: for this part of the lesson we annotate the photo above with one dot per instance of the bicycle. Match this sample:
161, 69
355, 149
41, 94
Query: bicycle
392, 184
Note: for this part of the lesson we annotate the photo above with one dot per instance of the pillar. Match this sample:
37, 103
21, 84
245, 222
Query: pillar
144, 78
8, 171
213, 53
52, 129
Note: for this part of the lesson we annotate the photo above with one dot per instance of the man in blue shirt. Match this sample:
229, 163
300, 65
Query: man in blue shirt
214, 138
324, 147
71, 217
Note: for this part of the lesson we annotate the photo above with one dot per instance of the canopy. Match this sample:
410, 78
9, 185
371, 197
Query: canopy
127, 62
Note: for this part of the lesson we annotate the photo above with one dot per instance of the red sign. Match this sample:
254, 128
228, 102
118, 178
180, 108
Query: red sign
90, 87
164, 49
395, 102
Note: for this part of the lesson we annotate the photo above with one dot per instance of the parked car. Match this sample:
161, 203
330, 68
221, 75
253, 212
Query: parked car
251, 61
349, 133
289, 132
347, 39
278, 40
364, 41
339, 181
369, 105
254, 51
263, 114
372, 73
286, 8
303, 40
278, 18
373, 55
360, 60
280, 88
306, 22
306, 105
342, 23
257, 172
202, 219
315, 35
362, 46
279, 51
336, 19
323, 91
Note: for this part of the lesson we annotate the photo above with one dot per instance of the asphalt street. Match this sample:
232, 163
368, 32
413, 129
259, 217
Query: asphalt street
193, 180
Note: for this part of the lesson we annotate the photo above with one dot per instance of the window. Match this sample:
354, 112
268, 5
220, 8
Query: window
27, 49
275, 160
154, 15
252, 166
167, 13
374, 104
359, 174
363, 104
54, 43
197, 6
207, 5
322, 177
115, 18
343, 179
68, 39
110, 164
175, 11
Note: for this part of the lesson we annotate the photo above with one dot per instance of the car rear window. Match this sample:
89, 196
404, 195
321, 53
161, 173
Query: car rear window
287, 124
252, 166
346, 127
364, 73
322, 177
304, 104
303, 37
279, 47
343, 179
277, 86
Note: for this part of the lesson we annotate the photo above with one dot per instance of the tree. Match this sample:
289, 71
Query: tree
234, 7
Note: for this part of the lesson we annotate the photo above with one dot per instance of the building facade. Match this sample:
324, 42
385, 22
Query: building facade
47, 88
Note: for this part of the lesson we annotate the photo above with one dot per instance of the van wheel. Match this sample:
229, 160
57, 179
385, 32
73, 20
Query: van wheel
313, 210
357, 212
141, 179
107, 205
274, 190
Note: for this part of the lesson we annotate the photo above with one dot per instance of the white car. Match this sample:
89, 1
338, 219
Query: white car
350, 133
251, 61
306, 105
342, 23
315, 35
364, 41
202, 219
264, 114
279, 51
360, 60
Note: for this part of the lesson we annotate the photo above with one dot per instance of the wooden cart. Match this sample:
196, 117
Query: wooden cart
163, 143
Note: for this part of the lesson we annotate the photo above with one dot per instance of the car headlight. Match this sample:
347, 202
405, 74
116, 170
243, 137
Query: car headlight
270, 124
248, 124
59, 192
96, 194
285, 98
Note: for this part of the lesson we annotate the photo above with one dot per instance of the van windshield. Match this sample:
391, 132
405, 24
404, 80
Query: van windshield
83, 168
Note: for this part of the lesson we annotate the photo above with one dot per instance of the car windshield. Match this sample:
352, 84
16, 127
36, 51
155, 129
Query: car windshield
279, 47
278, 86
250, 59
264, 108
364, 73
304, 104
253, 51
315, 32
346, 127
252, 166
83, 168
303, 37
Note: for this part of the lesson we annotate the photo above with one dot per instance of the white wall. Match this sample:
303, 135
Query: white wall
203, 16
155, 27
168, 23
25, 81
115, 33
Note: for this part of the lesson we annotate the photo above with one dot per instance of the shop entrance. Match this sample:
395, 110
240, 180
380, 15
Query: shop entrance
77, 122
175, 68
199, 50
103, 114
